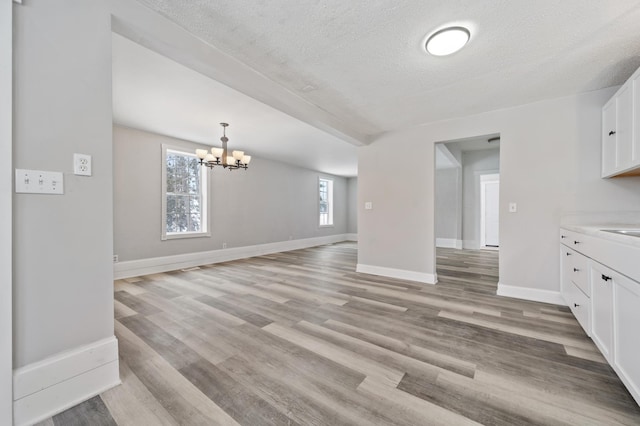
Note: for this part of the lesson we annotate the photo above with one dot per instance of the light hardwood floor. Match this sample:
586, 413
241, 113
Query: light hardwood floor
298, 338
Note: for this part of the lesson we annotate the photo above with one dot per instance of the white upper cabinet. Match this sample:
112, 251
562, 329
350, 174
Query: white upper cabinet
621, 131
624, 127
609, 138
635, 118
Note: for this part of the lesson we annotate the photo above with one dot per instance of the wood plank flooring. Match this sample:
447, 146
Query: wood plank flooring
298, 338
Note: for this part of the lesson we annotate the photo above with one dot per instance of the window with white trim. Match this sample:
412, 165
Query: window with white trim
184, 195
325, 189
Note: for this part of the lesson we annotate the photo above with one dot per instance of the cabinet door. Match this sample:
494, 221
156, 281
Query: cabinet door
609, 138
635, 146
580, 306
602, 309
624, 127
626, 321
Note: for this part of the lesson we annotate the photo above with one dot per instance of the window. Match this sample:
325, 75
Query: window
184, 195
325, 188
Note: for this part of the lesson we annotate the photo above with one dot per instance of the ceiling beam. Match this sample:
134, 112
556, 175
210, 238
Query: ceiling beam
153, 31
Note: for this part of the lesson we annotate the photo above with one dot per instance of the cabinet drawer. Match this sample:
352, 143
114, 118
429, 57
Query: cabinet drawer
579, 304
574, 240
576, 269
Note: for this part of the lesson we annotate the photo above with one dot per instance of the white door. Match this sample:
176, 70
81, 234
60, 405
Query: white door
490, 201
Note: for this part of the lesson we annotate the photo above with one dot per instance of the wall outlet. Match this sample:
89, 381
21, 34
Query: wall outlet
81, 165
224, 245
368, 205
513, 207
115, 258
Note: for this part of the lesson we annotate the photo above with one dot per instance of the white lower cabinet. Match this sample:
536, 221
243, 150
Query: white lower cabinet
626, 331
602, 283
606, 303
575, 285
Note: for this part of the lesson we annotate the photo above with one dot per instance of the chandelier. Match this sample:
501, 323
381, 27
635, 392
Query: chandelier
220, 157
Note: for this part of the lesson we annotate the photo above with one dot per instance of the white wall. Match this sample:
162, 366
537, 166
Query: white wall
269, 202
447, 203
473, 163
352, 205
550, 165
6, 350
62, 244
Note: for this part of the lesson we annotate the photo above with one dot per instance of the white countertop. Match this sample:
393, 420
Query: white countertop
597, 231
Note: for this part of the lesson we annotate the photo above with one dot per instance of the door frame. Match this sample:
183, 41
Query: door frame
6, 207
484, 178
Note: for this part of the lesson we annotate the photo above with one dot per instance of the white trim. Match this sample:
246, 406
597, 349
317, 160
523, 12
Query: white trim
6, 224
134, 268
50, 386
449, 243
401, 274
351, 237
204, 196
533, 294
329, 181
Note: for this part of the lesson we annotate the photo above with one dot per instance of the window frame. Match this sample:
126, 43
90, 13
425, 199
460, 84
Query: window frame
204, 194
330, 198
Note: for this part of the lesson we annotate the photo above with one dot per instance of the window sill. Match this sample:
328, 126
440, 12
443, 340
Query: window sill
326, 226
181, 235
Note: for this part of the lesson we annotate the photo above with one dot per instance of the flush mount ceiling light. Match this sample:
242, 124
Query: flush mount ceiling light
447, 41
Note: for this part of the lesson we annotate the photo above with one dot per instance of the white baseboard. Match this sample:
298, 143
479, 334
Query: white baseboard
449, 243
401, 274
50, 386
155, 265
533, 294
351, 237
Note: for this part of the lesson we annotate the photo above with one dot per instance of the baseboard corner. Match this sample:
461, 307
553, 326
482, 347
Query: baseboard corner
531, 294
402, 274
50, 386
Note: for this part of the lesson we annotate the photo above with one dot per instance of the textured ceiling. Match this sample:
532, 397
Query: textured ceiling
363, 62
154, 93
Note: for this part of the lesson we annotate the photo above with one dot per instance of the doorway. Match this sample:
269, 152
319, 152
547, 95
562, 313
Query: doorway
467, 213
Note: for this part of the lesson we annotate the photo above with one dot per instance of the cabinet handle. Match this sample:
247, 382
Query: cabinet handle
575, 305
576, 242
605, 278
563, 236
613, 132
568, 254
576, 269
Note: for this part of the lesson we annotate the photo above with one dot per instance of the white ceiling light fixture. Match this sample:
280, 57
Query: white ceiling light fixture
447, 41
220, 157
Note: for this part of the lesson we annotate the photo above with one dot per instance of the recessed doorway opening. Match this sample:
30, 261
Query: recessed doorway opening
467, 213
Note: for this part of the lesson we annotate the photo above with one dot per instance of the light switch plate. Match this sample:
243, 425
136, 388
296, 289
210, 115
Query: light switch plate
513, 207
39, 182
81, 164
